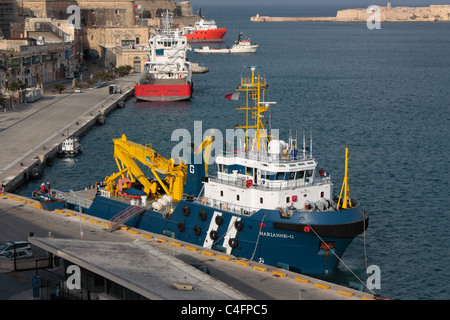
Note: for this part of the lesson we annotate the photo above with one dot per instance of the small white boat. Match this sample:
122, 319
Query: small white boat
241, 46
70, 147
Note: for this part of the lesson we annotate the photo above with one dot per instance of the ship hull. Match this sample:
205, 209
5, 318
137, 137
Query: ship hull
295, 244
211, 35
161, 92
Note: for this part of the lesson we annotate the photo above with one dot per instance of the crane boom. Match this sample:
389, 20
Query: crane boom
126, 152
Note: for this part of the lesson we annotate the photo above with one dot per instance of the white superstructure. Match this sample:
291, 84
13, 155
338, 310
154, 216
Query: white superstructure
264, 172
168, 53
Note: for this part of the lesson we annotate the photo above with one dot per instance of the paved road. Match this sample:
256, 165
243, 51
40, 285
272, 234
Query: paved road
32, 130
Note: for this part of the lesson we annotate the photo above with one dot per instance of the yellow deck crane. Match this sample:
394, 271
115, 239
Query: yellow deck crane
125, 154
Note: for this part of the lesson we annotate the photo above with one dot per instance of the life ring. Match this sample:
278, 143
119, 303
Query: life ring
186, 211
219, 220
204, 200
197, 230
233, 242
181, 227
213, 234
239, 225
224, 206
202, 215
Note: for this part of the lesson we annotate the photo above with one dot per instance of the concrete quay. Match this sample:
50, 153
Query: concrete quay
30, 134
119, 256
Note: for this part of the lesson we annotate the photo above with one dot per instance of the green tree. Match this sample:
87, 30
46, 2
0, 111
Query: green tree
2, 100
59, 87
101, 75
91, 82
16, 86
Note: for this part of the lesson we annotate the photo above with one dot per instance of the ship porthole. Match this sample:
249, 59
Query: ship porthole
213, 234
186, 211
219, 220
197, 230
233, 242
181, 227
202, 215
239, 225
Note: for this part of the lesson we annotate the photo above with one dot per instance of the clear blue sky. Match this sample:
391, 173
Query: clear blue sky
356, 3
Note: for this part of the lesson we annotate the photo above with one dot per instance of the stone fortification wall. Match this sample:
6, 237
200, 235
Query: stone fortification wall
394, 14
388, 14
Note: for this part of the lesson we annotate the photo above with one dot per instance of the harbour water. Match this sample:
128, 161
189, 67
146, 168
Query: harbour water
383, 92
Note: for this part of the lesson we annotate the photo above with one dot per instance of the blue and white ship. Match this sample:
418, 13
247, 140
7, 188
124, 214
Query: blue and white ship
267, 202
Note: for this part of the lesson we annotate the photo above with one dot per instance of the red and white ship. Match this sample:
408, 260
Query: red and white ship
167, 75
204, 31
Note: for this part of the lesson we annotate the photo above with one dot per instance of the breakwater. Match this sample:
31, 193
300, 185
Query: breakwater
433, 13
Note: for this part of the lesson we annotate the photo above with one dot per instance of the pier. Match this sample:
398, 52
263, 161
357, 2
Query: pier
30, 134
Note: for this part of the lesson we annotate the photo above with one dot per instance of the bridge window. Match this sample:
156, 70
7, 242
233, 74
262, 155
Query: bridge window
309, 173
300, 174
249, 171
279, 176
291, 175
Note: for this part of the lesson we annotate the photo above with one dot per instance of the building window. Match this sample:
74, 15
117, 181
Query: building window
137, 40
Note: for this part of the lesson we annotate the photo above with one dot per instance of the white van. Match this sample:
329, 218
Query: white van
23, 249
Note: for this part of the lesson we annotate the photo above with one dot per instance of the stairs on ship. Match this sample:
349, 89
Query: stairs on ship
123, 216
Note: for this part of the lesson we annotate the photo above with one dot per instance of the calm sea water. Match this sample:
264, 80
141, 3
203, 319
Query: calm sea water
383, 92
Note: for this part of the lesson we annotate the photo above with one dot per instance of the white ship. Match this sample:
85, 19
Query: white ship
168, 74
241, 46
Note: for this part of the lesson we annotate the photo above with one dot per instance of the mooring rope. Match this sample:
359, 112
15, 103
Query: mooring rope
338, 257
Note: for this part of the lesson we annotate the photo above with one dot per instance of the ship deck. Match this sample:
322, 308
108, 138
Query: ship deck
156, 82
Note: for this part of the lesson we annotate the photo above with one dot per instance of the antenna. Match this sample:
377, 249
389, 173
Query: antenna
304, 145
310, 144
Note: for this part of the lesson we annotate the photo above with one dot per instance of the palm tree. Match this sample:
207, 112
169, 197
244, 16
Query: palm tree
59, 87
101, 75
16, 86
91, 82
2, 99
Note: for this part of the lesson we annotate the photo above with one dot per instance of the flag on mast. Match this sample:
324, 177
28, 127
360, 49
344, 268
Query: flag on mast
232, 96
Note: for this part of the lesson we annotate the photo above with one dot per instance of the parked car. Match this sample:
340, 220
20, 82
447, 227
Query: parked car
8, 255
23, 249
77, 90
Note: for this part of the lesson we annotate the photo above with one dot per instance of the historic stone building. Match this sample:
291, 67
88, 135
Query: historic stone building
118, 30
